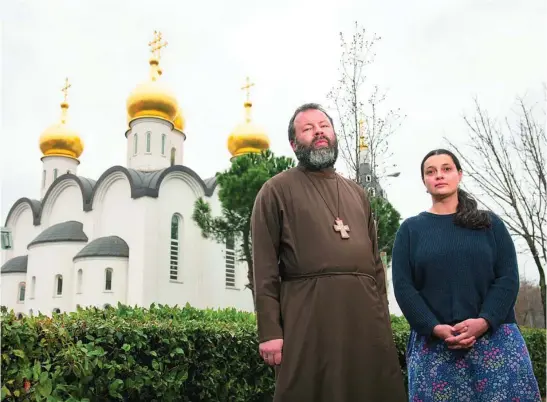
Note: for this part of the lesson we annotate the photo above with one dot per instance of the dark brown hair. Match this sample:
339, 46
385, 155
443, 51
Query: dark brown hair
467, 213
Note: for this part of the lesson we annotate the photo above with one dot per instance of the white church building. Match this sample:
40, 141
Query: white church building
127, 236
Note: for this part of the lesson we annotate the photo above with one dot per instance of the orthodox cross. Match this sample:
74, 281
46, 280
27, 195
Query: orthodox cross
156, 45
340, 227
247, 87
64, 90
362, 143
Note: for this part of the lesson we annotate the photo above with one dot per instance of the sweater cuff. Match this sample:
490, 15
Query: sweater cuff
492, 325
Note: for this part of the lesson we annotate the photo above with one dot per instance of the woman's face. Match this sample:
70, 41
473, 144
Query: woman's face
441, 177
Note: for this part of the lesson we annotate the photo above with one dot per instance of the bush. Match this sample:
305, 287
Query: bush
157, 354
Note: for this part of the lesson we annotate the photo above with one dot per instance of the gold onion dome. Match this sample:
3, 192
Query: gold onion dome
59, 139
247, 137
151, 98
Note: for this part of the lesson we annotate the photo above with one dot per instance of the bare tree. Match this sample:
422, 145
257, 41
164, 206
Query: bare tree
349, 98
529, 309
507, 162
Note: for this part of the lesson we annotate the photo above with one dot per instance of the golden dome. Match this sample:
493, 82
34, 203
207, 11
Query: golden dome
59, 139
179, 121
247, 137
151, 98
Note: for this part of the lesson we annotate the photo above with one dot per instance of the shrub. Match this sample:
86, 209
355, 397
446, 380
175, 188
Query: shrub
156, 354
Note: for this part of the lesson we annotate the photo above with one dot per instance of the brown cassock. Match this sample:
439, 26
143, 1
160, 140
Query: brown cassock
325, 296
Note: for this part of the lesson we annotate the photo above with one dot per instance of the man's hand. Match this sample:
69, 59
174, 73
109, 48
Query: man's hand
271, 351
468, 332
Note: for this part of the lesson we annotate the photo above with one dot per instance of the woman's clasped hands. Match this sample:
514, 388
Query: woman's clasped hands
462, 335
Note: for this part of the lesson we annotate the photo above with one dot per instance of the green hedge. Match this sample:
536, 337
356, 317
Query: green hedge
157, 354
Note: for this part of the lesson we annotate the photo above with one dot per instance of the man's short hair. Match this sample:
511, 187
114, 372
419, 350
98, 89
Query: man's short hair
303, 108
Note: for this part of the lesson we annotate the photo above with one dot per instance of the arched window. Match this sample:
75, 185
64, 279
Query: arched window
174, 251
43, 179
59, 285
57, 310
79, 281
108, 279
20, 316
163, 143
148, 141
30, 312
107, 306
135, 144
32, 287
21, 292
230, 263
173, 154
55, 173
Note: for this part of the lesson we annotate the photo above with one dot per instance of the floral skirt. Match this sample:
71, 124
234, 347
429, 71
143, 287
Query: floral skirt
496, 368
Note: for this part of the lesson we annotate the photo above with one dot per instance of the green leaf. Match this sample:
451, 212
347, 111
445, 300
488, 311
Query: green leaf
19, 353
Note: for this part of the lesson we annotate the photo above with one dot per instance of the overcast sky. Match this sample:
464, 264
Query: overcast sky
434, 56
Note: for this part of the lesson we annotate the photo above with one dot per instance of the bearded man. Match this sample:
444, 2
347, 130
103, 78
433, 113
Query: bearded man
320, 287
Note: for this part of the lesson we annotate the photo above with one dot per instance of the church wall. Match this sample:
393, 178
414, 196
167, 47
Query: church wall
142, 158
65, 204
177, 195
90, 288
45, 262
55, 166
176, 141
215, 292
23, 232
10, 292
116, 213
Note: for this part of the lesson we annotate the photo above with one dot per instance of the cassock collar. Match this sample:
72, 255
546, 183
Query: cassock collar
328, 173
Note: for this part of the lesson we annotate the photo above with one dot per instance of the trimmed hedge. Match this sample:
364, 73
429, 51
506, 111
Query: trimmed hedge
157, 354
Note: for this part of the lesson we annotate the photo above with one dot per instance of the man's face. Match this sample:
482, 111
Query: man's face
315, 144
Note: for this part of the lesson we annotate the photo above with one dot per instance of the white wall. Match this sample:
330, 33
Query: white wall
63, 165
116, 213
91, 290
64, 203
177, 195
45, 261
10, 292
23, 231
154, 159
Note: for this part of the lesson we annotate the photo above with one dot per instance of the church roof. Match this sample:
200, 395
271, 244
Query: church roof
109, 246
15, 265
72, 231
143, 184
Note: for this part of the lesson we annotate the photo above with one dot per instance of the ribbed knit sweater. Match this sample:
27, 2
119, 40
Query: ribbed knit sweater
444, 274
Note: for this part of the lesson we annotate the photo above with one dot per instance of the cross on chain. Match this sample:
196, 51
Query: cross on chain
64, 90
247, 88
340, 227
156, 45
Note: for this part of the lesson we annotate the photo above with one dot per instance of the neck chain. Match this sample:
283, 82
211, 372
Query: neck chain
338, 223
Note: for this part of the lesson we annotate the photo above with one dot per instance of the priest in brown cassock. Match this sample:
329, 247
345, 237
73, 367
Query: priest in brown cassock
320, 285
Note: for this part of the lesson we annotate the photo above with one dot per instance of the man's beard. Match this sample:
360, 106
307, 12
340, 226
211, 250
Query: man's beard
317, 158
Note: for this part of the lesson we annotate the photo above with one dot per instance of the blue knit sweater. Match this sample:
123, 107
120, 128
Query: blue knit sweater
444, 274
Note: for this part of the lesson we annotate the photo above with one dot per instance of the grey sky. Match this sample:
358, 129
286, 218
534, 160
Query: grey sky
433, 57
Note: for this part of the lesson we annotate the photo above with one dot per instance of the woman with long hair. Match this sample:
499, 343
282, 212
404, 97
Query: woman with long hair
456, 280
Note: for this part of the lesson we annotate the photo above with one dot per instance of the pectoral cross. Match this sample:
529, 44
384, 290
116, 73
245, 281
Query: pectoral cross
340, 227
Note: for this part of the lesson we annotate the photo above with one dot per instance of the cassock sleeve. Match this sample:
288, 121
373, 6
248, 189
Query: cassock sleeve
415, 309
502, 295
380, 272
265, 234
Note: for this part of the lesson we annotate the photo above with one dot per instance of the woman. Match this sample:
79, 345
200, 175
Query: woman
455, 278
